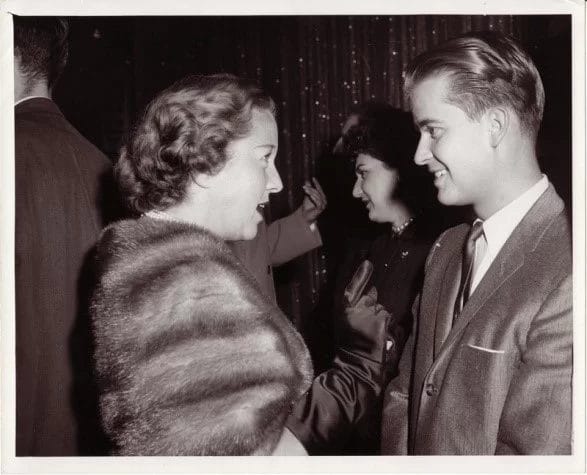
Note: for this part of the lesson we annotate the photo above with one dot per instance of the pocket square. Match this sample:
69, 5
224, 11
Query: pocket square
487, 350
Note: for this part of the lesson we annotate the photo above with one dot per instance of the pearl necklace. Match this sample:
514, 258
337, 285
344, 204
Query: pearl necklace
401, 228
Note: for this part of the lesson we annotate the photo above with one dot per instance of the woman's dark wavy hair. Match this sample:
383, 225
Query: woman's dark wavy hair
388, 134
184, 132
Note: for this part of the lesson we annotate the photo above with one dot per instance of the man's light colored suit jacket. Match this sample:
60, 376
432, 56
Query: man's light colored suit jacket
499, 380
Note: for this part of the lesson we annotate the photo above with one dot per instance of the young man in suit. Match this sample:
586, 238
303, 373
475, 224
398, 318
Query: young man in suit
488, 367
58, 219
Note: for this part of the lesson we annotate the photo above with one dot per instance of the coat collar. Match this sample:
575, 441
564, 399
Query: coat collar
37, 104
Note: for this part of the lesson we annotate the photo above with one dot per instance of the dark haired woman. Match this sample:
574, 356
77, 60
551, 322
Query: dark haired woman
341, 412
192, 358
395, 191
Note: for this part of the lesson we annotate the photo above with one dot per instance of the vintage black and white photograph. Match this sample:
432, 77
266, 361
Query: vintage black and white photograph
357, 235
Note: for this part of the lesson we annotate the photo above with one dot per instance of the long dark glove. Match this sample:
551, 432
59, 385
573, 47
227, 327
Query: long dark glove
344, 401
364, 329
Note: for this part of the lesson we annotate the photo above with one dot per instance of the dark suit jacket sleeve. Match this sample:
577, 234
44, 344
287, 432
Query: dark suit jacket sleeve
291, 237
536, 418
57, 220
339, 401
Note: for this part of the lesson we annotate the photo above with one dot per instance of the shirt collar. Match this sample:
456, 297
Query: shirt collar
499, 226
27, 98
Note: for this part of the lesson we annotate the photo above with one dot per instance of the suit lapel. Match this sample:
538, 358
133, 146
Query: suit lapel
509, 260
506, 263
447, 296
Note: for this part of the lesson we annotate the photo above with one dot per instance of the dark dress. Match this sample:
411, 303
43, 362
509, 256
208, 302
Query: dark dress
341, 413
58, 219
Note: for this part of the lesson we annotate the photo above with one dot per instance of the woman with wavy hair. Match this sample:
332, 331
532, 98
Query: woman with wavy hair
192, 358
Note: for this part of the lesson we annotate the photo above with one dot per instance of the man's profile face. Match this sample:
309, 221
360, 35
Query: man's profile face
455, 148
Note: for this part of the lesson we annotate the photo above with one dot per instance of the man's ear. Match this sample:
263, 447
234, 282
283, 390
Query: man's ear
498, 119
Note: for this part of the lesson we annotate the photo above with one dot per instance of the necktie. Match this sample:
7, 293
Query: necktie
467, 267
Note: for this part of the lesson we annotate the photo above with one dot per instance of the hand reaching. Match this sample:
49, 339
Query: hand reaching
314, 201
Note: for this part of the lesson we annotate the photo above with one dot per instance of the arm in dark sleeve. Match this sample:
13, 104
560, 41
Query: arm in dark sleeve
338, 400
291, 237
346, 398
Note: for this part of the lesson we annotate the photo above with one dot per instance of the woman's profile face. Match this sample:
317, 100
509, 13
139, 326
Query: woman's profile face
243, 185
375, 185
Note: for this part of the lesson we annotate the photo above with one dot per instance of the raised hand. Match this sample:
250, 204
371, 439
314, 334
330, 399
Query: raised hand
314, 200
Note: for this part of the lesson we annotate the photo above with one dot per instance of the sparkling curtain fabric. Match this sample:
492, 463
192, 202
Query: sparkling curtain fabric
315, 67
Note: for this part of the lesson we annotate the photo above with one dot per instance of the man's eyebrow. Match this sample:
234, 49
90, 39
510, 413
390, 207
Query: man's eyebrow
424, 123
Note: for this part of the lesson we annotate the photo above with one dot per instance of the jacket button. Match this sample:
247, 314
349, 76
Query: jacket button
431, 390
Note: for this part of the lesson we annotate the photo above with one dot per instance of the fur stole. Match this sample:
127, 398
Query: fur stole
192, 358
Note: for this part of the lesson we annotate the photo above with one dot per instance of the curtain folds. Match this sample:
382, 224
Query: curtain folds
315, 67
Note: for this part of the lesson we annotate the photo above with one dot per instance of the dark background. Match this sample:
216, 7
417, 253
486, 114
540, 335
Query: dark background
316, 68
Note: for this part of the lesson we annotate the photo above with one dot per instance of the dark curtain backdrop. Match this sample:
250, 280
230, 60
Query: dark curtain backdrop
316, 69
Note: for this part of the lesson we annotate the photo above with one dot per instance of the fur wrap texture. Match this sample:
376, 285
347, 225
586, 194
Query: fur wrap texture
192, 358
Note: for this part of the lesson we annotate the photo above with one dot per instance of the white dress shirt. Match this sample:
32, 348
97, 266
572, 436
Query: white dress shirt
500, 225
